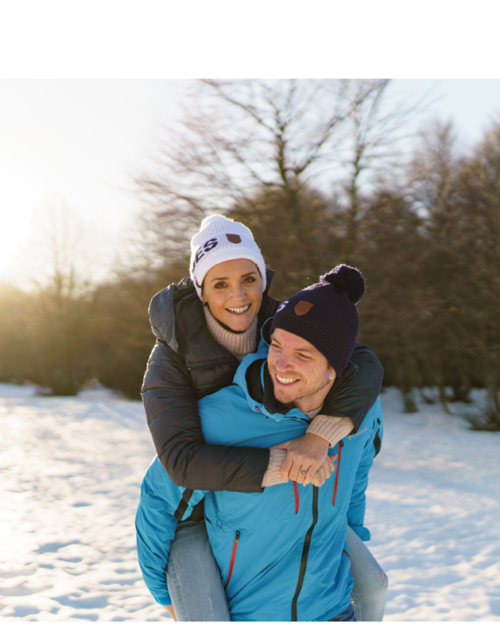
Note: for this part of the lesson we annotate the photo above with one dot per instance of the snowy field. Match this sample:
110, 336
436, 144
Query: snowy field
70, 471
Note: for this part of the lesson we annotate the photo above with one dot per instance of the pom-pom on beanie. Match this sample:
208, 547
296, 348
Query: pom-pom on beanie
221, 239
325, 314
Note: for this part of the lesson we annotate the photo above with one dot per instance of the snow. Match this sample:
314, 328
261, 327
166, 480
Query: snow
433, 510
13, 390
70, 472
94, 390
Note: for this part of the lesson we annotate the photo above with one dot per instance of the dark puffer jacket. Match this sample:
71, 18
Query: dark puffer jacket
187, 364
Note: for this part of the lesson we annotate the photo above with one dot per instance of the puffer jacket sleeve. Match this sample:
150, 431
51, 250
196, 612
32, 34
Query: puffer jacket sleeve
353, 395
155, 525
172, 415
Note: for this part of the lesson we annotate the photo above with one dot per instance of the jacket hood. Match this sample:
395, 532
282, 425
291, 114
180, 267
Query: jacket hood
178, 306
162, 311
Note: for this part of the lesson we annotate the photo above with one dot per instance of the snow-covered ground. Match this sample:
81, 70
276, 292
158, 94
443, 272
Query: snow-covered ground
70, 471
434, 514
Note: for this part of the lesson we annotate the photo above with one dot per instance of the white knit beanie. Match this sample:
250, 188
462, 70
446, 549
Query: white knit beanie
222, 239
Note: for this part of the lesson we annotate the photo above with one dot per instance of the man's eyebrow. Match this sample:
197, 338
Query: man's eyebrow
297, 350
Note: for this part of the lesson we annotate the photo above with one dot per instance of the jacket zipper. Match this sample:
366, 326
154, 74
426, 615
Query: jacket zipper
341, 444
235, 545
305, 554
307, 539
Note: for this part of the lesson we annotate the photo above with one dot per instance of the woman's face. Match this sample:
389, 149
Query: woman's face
233, 291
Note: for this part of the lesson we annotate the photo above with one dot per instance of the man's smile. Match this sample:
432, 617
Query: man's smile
285, 381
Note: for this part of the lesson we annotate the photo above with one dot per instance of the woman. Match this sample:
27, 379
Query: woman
204, 326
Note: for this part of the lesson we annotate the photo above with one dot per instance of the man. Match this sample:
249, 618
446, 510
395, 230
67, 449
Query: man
282, 554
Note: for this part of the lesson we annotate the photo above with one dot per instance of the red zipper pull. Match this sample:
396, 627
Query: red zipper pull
341, 444
235, 545
296, 497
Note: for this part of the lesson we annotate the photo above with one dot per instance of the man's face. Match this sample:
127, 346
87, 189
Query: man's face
301, 374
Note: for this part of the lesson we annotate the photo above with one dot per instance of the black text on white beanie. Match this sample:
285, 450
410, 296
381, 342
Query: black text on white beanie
221, 239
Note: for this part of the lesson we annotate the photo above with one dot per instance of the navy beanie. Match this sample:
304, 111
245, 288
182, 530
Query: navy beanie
325, 314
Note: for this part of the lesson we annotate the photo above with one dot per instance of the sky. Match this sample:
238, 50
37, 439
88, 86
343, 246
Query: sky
74, 145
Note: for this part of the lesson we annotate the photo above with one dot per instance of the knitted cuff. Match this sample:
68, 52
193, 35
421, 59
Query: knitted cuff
272, 475
330, 428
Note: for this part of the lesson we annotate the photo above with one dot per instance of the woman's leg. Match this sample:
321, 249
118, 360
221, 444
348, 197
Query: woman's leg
370, 581
193, 577
347, 615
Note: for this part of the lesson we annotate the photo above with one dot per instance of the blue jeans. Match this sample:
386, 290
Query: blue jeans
370, 582
193, 577
197, 592
347, 615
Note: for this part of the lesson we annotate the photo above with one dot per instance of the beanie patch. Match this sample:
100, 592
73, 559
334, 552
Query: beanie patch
302, 308
233, 238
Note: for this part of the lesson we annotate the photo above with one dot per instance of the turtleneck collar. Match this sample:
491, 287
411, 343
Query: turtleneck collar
239, 344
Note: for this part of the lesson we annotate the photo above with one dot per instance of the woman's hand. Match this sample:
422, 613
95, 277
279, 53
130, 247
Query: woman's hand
305, 456
170, 610
325, 471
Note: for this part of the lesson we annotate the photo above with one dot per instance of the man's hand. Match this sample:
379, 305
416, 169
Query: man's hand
305, 456
170, 610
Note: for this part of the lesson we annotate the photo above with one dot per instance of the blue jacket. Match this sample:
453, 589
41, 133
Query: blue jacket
282, 553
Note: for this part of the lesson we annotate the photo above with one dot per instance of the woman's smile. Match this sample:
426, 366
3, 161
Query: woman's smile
239, 311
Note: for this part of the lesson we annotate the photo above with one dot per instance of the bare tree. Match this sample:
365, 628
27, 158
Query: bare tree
63, 288
478, 247
60, 253
375, 126
239, 140
432, 188
16, 361
432, 175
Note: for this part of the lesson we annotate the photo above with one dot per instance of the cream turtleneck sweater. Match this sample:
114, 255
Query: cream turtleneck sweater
329, 428
239, 344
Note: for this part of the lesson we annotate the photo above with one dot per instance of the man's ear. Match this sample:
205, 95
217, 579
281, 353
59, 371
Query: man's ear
331, 373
